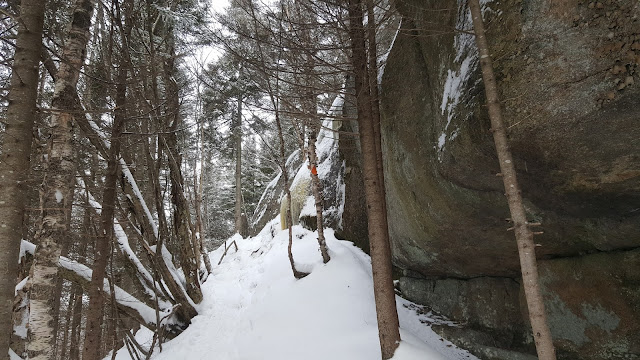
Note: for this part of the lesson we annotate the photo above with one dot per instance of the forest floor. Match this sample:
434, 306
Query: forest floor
254, 309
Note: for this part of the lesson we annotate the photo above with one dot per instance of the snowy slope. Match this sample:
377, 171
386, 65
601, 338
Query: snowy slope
255, 310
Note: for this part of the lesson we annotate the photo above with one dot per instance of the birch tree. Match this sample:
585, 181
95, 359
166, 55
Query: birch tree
57, 188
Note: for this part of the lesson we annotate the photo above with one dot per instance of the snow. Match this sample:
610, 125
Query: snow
13, 355
382, 63
26, 247
309, 208
20, 286
262, 204
147, 313
59, 196
134, 186
123, 242
465, 64
20, 329
254, 309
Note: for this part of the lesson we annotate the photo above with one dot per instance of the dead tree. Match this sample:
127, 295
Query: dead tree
524, 235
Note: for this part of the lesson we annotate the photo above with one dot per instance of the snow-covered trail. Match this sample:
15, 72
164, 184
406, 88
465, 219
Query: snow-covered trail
254, 309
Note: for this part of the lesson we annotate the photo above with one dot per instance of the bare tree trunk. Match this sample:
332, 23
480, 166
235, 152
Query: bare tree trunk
57, 189
93, 333
313, 124
285, 177
373, 86
62, 349
316, 188
183, 227
198, 194
76, 324
374, 191
241, 226
282, 160
524, 235
77, 292
14, 160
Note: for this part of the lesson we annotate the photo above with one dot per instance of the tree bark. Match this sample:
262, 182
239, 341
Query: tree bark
21, 309
93, 330
76, 324
62, 349
388, 325
373, 86
57, 188
316, 189
200, 226
285, 177
14, 160
524, 235
241, 226
182, 226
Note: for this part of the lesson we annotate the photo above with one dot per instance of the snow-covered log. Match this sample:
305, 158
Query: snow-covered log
146, 279
126, 303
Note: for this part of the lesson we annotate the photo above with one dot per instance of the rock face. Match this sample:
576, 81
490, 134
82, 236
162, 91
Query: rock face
569, 76
331, 171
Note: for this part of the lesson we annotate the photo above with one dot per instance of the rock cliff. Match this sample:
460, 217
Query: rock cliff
569, 76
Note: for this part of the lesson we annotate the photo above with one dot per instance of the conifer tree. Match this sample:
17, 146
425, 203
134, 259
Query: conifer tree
521, 226
15, 157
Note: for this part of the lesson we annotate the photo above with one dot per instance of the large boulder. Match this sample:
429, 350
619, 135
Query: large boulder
569, 76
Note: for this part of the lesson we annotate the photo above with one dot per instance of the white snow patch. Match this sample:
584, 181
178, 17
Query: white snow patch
26, 247
309, 208
20, 286
134, 186
147, 313
20, 329
254, 309
59, 196
382, 63
466, 62
13, 355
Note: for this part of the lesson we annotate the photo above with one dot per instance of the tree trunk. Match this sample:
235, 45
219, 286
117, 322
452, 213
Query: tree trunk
198, 194
373, 86
182, 226
93, 332
285, 177
77, 292
62, 349
21, 310
524, 235
313, 124
76, 324
14, 160
374, 192
57, 189
316, 188
241, 226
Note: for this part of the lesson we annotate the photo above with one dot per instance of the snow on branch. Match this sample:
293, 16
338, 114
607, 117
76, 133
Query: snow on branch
26, 248
136, 191
127, 303
123, 243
